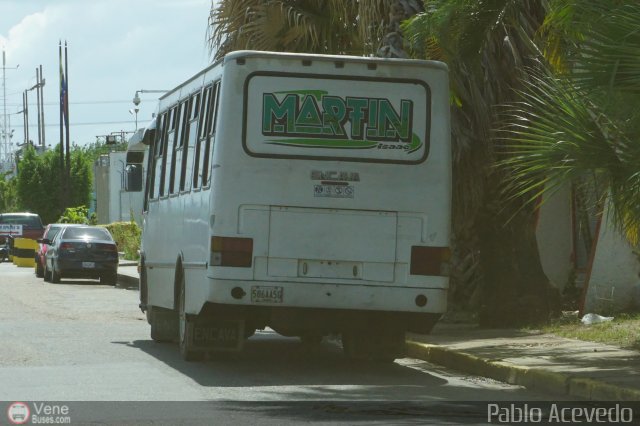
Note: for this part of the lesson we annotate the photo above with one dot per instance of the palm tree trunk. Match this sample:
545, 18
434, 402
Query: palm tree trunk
393, 41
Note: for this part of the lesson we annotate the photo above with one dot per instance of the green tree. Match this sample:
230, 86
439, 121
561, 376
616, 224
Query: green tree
310, 26
78, 214
577, 120
39, 184
487, 45
8, 194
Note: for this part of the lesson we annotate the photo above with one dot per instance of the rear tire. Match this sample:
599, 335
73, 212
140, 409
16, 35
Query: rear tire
47, 274
39, 270
186, 325
55, 276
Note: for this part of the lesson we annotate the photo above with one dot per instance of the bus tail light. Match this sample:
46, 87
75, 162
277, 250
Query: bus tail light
430, 261
228, 251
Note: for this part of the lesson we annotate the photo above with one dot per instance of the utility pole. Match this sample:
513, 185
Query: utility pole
3, 155
26, 116
5, 145
41, 84
38, 103
38, 86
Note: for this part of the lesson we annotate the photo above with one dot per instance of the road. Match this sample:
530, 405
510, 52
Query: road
82, 341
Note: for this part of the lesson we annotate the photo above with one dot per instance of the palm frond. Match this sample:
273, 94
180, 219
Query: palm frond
553, 134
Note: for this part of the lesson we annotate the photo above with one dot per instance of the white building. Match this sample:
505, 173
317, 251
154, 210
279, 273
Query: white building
118, 188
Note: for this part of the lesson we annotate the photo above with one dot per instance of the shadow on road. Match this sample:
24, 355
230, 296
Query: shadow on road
300, 384
271, 360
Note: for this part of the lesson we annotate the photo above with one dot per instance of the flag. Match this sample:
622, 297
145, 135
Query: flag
63, 94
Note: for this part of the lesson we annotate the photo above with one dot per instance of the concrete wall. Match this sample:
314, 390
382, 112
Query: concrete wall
614, 279
554, 233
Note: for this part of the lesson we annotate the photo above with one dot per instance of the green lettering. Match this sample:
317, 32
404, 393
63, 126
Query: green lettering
357, 109
275, 114
334, 115
372, 128
308, 119
392, 125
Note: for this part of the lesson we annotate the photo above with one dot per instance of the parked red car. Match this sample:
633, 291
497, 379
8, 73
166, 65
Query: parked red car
50, 231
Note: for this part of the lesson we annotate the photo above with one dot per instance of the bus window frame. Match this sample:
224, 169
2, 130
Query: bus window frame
192, 116
210, 131
165, 143
177, 130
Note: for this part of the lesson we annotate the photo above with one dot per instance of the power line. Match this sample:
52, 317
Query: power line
96, 123
85, 102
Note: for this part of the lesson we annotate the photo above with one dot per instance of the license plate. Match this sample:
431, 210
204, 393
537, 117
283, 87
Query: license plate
264, 294
221, 335
88, 264
333, 191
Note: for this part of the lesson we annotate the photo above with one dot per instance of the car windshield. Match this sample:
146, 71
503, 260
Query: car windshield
86, 234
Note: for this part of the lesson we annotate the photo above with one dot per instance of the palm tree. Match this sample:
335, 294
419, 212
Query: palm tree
579, 120
487, 45
310, 26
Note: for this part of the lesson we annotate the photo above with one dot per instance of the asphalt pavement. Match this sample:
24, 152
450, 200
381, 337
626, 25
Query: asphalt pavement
538, 361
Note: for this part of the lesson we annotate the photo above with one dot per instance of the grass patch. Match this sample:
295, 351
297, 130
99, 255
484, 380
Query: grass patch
623, 331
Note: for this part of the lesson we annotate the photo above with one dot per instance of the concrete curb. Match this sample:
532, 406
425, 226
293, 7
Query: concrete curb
127, 281
532, 378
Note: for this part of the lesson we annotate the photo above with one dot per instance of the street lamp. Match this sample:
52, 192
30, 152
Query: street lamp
137, 100
135, 111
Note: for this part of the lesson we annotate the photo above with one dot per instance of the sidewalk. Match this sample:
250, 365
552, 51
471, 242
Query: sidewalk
128, 273
543, 362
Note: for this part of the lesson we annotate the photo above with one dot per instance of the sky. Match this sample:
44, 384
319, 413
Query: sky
115, 47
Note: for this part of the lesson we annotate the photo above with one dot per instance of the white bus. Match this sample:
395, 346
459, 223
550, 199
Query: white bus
310, 194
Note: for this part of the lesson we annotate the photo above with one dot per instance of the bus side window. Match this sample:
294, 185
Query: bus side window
204, 105
190, 136
210, 132
169, 150
168, 118
152, 161
176, 162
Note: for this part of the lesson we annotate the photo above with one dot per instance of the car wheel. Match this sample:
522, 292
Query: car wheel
39, 270
186, 326
55, 276
47, 273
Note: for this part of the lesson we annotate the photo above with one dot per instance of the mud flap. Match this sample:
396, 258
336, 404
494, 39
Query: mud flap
219, 335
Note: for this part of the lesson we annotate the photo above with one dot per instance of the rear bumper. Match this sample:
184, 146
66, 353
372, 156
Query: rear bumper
75, 268
372, 296
322, 307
